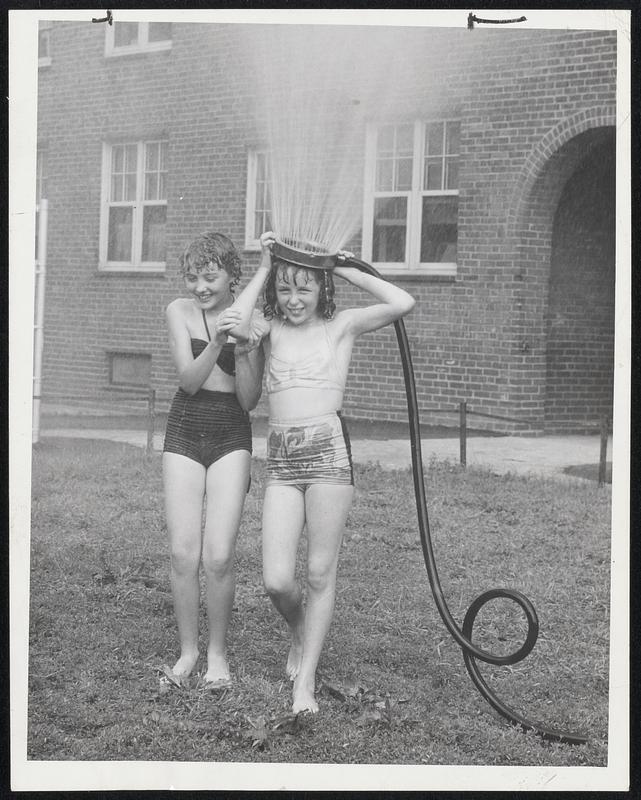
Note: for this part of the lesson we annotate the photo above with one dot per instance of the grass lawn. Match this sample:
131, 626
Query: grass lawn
393, 686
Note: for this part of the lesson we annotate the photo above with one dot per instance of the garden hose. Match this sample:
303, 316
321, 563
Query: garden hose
463, 637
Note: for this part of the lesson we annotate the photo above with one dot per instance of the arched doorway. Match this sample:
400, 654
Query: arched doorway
580, 318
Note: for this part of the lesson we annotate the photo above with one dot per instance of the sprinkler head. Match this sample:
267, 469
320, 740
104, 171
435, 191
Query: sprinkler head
304, 258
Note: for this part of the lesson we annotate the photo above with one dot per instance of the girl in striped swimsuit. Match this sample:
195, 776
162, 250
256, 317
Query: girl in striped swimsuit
207, 447
310, 483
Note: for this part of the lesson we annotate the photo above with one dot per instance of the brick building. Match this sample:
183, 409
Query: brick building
487, 188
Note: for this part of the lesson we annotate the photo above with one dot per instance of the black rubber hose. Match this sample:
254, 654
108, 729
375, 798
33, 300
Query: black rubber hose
463, 637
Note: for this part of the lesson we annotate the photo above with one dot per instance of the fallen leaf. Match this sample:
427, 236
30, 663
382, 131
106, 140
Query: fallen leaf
167, 672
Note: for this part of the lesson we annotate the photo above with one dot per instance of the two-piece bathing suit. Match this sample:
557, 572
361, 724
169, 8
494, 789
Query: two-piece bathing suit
301, 452
208, 425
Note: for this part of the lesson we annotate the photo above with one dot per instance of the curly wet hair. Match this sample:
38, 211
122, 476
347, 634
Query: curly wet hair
208, 251
326, 305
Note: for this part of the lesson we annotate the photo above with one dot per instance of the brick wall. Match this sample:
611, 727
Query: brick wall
525, 100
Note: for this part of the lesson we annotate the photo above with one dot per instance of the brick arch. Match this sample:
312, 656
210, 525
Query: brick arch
548, 145
529, 228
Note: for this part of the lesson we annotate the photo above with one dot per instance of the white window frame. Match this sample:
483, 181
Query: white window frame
411, 265
138, 205
142, 45
44, 27
253, 154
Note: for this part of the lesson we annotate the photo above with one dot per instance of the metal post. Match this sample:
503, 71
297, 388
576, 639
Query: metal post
38, 333
463, 432
603, 455
151, 418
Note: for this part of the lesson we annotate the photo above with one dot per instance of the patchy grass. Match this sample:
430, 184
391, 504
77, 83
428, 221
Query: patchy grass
393, 686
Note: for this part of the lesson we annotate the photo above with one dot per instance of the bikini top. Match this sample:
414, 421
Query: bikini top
316, 370
226, 360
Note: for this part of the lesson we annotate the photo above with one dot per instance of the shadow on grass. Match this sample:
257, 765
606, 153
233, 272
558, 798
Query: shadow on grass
589, 471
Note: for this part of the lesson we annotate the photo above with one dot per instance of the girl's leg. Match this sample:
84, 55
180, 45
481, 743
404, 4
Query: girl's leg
326, 508
283, 522
227, 482
184, 489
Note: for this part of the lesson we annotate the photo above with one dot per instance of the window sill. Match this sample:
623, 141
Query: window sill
119, 52
437, 271
418, 275
158, 272
44, 62
127, 388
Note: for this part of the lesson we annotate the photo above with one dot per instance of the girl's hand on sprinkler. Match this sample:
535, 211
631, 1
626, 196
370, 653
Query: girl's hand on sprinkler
267, 239
343, 255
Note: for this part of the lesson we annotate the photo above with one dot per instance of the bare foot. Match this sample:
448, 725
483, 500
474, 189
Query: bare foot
217, 670
295, 654
293, 660
303, 699
185, 664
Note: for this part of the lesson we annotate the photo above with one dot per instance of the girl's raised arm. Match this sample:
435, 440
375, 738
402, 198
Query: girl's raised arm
247, 299
393, 304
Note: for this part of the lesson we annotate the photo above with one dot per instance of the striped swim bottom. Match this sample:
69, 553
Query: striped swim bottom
307, 451
206, 426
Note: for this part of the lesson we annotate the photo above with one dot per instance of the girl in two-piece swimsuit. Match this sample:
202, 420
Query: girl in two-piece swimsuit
208, 425
316, 450
310, 480
207, 449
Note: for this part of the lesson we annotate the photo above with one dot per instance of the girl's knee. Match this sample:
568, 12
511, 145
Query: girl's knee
184, 560
321, 577
218, 565
277, 584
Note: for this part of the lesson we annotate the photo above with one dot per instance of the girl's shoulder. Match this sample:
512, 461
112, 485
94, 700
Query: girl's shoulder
339, 324
180, 305
179, 310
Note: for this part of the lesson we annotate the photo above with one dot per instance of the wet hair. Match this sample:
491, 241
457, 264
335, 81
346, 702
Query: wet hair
326, 305
211, 251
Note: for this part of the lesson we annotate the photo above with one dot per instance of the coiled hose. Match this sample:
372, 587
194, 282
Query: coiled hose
463, 637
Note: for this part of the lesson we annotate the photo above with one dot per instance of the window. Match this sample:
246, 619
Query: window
129, 369
137, 37
134, 206
258, 208
44, 43
411, 198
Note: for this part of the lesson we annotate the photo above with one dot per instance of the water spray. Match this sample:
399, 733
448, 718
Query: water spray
295, 253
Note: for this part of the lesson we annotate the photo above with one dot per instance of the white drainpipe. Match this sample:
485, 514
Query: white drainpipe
38, 338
